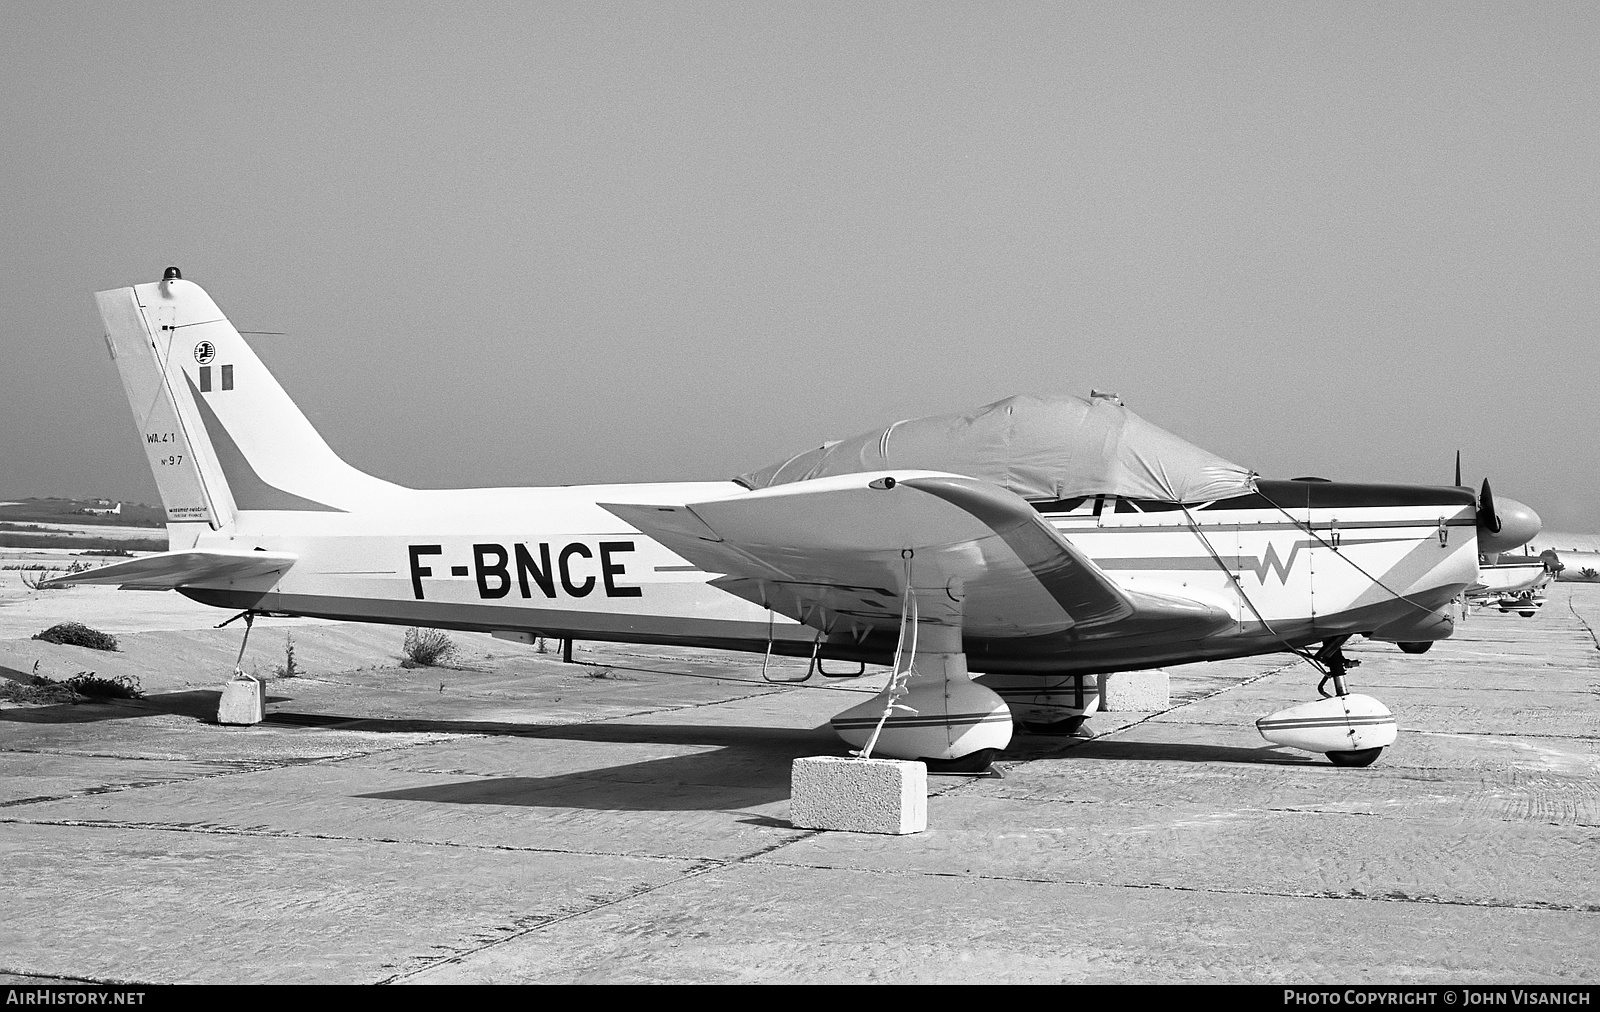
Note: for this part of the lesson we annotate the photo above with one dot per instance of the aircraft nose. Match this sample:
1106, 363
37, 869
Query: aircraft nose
1519, 525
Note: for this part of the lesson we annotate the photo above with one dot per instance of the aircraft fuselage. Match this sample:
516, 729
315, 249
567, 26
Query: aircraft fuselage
1296, 563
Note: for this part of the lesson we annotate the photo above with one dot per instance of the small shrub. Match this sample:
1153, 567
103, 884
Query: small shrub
425, 648
76, 634
36, 689
49, 692
87, 683
288, 669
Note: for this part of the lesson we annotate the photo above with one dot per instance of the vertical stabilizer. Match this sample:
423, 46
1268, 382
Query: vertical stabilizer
180, 455
221, 435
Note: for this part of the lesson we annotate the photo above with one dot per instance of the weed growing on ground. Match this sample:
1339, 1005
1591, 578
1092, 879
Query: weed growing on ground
288, 669
76, 634
425, 648
38, 582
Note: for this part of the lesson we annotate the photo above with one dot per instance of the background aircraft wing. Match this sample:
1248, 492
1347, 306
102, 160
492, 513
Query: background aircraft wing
168, 570
830, 552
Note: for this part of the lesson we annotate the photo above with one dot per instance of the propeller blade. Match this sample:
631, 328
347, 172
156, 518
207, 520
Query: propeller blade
1488, 519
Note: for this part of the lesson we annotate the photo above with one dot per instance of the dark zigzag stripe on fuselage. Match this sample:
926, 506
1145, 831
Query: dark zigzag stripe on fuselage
1260, 565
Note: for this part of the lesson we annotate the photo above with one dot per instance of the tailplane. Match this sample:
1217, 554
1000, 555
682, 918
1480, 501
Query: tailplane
221, 435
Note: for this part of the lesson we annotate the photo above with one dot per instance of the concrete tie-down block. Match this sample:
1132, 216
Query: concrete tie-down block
859, 795
244, 701
1135, 690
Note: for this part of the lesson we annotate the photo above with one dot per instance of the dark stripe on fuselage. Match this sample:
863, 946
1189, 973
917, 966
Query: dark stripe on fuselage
1340, 494
1294, 495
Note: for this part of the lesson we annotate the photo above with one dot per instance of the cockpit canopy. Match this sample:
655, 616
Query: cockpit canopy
1055, 447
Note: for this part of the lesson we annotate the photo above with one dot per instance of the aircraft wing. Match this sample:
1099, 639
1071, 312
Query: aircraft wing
830, 553
168, 570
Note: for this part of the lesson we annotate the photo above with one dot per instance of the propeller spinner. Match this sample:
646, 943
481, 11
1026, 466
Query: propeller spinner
1504, 524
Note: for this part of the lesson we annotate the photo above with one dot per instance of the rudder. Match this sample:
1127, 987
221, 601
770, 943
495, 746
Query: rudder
191, 485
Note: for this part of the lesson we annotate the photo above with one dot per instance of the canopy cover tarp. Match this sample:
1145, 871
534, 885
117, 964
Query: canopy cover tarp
1056, 447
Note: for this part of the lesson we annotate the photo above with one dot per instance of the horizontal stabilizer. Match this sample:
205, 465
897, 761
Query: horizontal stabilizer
169, 570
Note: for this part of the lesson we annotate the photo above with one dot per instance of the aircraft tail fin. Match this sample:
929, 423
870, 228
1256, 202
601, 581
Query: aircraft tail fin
221, 435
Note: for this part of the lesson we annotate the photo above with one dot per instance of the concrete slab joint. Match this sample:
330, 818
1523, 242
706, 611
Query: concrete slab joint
243, 702
888, 796
1135, 690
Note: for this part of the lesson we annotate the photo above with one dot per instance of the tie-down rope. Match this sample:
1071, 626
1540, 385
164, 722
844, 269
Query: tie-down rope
898, 678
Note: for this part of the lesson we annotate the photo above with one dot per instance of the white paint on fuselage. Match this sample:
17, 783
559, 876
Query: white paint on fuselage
1286, 571
1289, 575
366, 555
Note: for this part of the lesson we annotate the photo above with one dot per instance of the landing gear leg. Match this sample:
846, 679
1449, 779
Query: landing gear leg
931, 710
1332, 657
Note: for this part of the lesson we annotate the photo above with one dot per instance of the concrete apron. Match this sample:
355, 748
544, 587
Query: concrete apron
520, 820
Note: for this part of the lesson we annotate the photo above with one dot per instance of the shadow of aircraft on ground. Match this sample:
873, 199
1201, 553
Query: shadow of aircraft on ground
731, 767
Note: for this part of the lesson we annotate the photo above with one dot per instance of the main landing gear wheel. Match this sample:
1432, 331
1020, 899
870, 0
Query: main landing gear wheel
1360, 757
1058, 728
972, 762
1416, 648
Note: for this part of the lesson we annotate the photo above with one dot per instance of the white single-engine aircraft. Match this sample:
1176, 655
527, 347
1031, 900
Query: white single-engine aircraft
1037, 541
1512, 583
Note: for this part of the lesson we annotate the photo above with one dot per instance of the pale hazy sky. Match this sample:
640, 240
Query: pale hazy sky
551, 243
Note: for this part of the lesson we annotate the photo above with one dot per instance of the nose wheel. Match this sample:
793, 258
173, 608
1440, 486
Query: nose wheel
1360, 757
1350, 729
